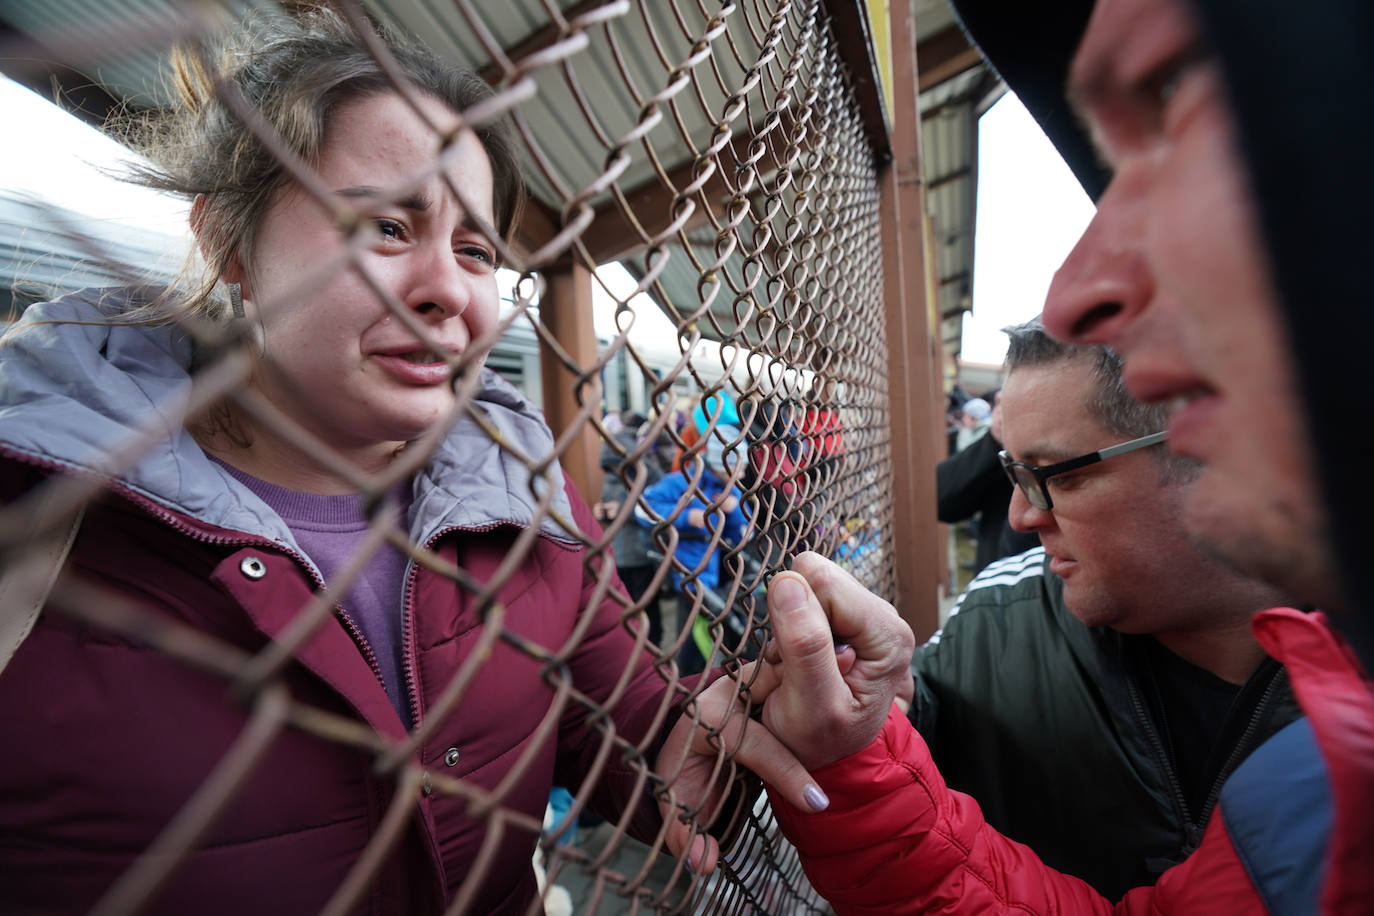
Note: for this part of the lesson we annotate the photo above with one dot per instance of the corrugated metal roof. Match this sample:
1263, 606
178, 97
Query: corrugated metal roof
949, 137
581, 110
585, 107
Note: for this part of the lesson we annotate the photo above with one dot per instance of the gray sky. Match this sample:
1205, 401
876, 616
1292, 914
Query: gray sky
1031, 211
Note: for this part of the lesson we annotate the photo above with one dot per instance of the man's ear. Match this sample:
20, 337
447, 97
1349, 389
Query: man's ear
200, 228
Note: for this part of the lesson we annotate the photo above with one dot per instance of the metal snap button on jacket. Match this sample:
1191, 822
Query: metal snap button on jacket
451, 756
253, 567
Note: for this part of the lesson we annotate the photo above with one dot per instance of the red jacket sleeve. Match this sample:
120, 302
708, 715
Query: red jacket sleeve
896, 839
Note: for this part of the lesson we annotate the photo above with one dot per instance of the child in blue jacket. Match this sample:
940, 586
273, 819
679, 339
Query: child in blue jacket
696, 509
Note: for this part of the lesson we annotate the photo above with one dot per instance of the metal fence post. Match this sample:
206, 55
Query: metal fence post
912, 347
566, 310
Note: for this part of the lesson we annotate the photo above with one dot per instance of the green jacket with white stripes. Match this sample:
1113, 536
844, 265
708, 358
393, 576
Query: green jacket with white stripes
1045, 722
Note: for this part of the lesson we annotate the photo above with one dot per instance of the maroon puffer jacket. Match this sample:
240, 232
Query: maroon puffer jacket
105, 739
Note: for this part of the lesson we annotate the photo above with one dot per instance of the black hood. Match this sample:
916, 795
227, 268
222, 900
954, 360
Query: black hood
1030, 46
1301, 78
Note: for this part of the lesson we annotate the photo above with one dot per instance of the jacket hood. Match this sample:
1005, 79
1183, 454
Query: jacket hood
71, 394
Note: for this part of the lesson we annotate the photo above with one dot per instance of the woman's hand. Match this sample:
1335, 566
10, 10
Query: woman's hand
693, 761
839, 657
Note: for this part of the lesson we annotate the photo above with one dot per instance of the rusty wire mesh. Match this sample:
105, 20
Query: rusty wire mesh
761, 235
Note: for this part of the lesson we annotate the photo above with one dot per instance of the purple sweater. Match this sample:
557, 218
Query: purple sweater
329, 530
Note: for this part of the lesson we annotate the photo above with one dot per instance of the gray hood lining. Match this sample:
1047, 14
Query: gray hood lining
70, 393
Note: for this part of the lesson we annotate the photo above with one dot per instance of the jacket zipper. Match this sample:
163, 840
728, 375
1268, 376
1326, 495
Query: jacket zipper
408, 656
1190, 831
363, 645
408, 662
1242, 745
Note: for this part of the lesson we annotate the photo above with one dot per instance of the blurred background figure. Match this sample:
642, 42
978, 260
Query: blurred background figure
694, 522
971, 486
632, 542
973, 424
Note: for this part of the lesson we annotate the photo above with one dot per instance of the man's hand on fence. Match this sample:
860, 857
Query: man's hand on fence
840, 655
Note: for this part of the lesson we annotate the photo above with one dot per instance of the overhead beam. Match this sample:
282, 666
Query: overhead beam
943, 55
950, 176
536, 41
849, 21
611, 236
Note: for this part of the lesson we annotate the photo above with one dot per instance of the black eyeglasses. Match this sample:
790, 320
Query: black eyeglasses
1032, 479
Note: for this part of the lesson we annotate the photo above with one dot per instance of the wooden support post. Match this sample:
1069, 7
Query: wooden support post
566, 310
912, 345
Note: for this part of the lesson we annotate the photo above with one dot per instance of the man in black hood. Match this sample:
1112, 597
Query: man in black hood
1227, 146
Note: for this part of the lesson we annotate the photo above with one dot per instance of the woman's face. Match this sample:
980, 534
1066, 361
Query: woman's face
336, 360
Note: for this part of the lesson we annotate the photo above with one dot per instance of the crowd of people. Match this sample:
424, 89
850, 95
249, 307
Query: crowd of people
1161, 707
688, 475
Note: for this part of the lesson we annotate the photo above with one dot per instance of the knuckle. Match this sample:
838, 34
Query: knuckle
905, 637
814, 642
825, 578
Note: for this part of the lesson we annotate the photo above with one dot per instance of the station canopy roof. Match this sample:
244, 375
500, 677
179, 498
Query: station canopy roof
955, 88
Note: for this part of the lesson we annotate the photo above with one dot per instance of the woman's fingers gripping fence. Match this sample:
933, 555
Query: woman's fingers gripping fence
700, 753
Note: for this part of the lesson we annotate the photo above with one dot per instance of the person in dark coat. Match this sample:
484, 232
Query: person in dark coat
632, 544
970, 484
1112, 668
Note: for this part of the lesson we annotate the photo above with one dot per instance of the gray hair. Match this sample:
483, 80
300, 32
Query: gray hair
1108, 401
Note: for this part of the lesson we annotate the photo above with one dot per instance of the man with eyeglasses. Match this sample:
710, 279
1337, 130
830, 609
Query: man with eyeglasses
1093, 694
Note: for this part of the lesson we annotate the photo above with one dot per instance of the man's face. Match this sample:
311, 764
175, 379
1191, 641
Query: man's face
1171, 273
1115, 534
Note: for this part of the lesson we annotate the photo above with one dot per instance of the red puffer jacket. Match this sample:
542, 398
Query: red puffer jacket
1293, 832
106, 739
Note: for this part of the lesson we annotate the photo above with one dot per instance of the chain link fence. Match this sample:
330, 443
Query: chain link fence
716, 150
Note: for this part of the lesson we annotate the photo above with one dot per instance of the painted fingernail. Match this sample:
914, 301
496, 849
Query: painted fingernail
840, 647
787, 594
815, 798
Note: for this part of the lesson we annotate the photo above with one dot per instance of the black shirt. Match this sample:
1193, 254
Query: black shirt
1189, 707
